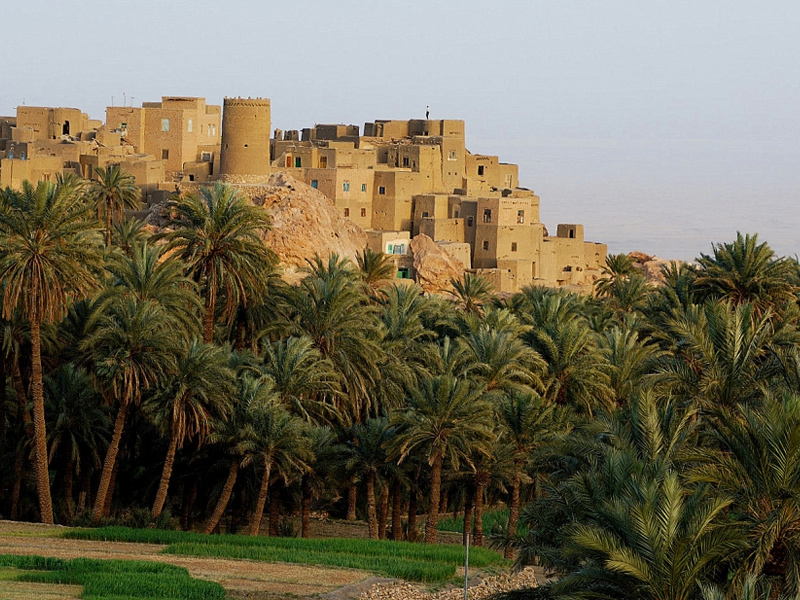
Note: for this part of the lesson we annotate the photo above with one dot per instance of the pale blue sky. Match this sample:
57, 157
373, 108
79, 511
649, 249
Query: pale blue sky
660, 125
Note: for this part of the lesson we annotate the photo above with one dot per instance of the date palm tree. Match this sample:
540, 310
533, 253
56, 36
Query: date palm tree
199, 394
145, 275
133, 349
757, 464
444, 420
50, 258
276, 440
112, 191
525, 421
745, 271
471, 293
218, 234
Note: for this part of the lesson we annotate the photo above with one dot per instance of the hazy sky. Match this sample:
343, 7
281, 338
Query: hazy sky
660, 125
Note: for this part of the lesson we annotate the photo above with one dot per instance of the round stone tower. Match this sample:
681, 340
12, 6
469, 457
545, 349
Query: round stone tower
244, 151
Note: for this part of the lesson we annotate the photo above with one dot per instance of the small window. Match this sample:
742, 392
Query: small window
191, 177
455, 216
298, 162
425, 215
513, 246
402, 273
487, 215
568, 268
346, 212
453, 155
164, 124
323, 162
346, 186
123, 126
470, 221
288, 162
164, 154
572, 233
382, 190
363, 187
363, 212
398, 249
520, 216
481, 169
314, 183
405, 161
189, 126
205, 156
485, 244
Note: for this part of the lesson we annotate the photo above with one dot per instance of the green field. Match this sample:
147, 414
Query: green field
413, 562
112, 579
492, 520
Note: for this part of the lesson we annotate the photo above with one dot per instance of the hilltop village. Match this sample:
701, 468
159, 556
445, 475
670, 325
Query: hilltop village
399, 181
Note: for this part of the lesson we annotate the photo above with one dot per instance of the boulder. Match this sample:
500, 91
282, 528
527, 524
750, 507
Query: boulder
304, 223
433, 265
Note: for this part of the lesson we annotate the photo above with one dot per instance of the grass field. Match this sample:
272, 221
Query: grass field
413, 562
111, 579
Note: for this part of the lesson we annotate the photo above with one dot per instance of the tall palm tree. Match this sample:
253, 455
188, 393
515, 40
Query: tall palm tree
144, 274
306, 383
112, 192
78, 425
376, 269
656, 542
277, 440
525, 421
618, 268
218, 234
252, 394
50, 256
745, 271
444, 420
133, 349
331, 308
366, 454
198, 395
129, 233
471, 292
757, 464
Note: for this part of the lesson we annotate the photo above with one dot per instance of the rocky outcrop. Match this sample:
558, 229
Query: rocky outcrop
433, 265
649, 266
304, 223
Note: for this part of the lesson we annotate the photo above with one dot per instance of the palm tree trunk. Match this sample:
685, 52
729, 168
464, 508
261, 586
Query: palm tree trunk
225, 496
372, 519
351, 501
433, 509
166, 474
86, 489
69, 477
397, 529
40, 434
480, 485
3, 399
188, 504
262, 498
274, 511
104, 490
513, 515
383, 513
469, 502
412, 514
19, 462
305, 507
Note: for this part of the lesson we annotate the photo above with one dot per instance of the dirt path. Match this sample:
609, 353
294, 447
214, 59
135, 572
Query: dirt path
241, 578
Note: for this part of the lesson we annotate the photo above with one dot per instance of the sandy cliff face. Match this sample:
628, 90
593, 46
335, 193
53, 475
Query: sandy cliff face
649, 266
304, 222
434, 266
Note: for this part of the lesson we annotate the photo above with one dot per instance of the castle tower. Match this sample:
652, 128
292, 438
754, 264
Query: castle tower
244, 152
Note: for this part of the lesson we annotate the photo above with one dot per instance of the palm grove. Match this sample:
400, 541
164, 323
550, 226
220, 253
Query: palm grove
646, 441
